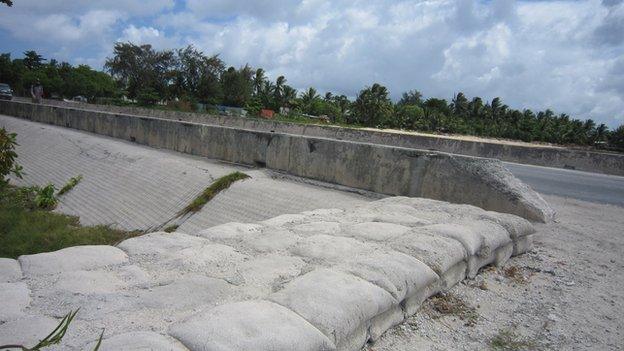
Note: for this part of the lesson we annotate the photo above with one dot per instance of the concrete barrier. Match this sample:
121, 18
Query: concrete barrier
383, 169
549, 156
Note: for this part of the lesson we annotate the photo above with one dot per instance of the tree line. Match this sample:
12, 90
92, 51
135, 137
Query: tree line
189, 77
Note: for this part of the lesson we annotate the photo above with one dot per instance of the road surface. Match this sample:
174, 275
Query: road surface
586, 186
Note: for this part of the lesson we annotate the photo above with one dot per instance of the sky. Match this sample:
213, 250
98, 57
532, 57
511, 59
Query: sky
563, 55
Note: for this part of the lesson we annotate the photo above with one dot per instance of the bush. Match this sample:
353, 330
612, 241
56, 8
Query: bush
8, 156
45, 198
147, 97
616, 139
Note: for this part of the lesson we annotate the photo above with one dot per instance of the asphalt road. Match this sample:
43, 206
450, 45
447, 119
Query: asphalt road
586, 186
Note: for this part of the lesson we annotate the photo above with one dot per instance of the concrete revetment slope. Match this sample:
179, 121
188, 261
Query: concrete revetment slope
378, 168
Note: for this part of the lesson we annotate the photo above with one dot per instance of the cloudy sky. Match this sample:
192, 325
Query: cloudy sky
564, 55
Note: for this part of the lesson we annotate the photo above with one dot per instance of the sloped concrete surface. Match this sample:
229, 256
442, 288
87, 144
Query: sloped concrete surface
134, 187
381, 169
306, 281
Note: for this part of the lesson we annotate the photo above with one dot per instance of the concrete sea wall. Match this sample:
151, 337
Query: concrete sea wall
379, 168
559, 157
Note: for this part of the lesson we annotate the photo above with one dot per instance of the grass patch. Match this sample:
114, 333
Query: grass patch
170, 229
25, 228
71, 183
212, 191
449, 304
507, 340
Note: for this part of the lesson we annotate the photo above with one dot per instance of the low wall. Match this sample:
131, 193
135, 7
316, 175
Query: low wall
559, 157
383, 169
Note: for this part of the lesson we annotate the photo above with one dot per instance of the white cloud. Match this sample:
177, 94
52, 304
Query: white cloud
148, 35
533, 54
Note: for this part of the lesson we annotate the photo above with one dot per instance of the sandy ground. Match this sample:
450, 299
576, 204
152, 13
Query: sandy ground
567, 294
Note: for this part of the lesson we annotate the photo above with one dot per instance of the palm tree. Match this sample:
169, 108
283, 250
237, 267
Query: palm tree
278, 92
258, 81
288, 95
308, 96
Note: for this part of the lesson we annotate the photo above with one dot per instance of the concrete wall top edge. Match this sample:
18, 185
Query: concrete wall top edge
548, 156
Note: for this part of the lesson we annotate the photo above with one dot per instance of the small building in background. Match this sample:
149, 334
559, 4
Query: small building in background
266, 113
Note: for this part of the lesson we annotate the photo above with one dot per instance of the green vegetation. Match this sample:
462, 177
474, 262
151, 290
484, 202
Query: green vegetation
212, 191
71, 183
171, 228
507, 340
25, 228
60, 80
44, 197
54, 337
186, 79
7, 157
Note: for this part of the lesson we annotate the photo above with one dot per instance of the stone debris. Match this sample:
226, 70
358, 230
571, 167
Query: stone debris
329, 279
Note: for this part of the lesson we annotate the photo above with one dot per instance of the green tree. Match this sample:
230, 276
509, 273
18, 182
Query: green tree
412, 97
308, 99
32, 60
410, 117
373, 106
278, 92
141, 69
237, 86
197, 76
616, 139
258, 81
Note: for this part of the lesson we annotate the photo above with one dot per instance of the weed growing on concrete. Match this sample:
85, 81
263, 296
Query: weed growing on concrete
54, 337
515, 274
25, 228
45, 198
172, 228
507, 340
449, 304
212, 191
71, 183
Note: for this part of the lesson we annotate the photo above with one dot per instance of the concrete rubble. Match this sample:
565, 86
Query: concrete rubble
329, 279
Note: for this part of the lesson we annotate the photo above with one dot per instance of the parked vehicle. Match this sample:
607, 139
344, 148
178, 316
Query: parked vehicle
6, 92
80, 98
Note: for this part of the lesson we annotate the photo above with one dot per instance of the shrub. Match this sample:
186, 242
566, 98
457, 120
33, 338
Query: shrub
8, 156
45, 198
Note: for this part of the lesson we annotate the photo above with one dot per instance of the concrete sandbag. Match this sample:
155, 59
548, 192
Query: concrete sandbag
72, 258
338, 304
249, 326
